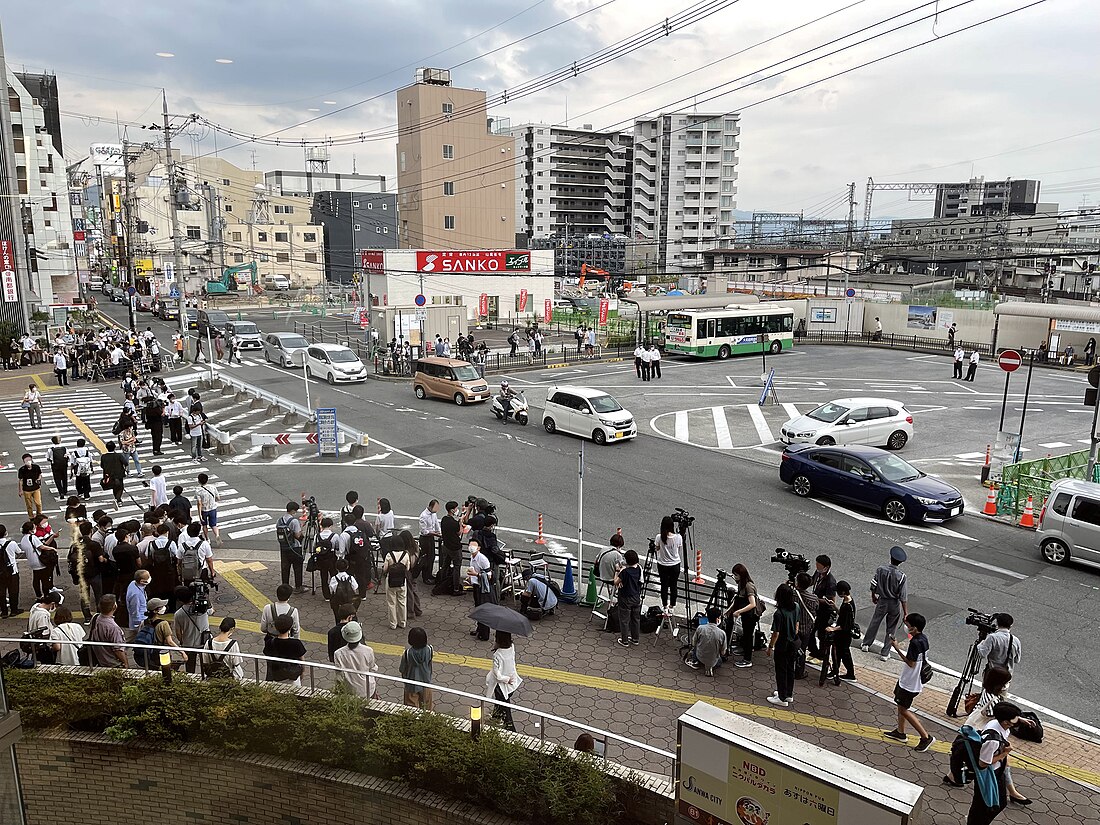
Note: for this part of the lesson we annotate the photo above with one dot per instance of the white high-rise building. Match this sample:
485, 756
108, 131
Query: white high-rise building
684, 185
571, 181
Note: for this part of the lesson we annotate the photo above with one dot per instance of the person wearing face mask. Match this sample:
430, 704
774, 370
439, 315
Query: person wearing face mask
480, 576
137, 605
30, 486
450, 560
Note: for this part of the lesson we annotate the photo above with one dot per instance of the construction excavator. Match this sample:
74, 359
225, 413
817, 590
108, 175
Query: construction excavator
229, 281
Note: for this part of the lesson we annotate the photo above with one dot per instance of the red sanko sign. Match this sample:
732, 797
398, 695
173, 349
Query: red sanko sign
547, 310
483, 260
372, 260
1010, 360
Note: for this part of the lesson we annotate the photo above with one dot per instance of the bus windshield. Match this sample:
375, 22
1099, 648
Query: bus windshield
679, 321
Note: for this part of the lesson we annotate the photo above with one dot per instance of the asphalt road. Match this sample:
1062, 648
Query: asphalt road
727, 478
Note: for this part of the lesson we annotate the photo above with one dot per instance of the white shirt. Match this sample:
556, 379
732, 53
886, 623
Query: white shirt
29, 544
361, 662
990, 748
638, 352
910, 676
974, 357
429, 523
270, 611
503, 673
480, 564
654, 354
647, 356
959, 354
339, 577
174, 409
204, 550
207, 499
159, 488
68, 632
669, 552
383, 523
116, 356
59, 362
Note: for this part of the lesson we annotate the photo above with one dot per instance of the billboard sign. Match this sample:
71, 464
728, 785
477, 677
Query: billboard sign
7, 272
603, 313
372, 260
547, 310
477, 261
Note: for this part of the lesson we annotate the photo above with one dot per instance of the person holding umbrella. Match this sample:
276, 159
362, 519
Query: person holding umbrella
502, 681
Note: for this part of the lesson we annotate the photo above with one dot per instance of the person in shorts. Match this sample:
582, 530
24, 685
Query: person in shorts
207, 498
909, 683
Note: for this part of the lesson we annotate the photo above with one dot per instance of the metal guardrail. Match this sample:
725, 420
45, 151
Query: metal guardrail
471, 699
890, 341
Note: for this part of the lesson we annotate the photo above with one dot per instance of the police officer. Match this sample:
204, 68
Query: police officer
890, 594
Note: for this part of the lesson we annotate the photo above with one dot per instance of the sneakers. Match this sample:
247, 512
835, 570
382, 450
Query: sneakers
865, 648
924, 744
635, 641
849, 676
742, 663
885, 656
621, 643
896, 735
775, 700
694, 665
708, 672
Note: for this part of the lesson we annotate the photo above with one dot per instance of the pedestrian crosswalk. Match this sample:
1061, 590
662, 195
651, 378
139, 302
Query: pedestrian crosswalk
727, 426
90, 413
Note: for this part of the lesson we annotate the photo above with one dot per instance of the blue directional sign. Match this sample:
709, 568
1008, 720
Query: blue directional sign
850, 293
173, 292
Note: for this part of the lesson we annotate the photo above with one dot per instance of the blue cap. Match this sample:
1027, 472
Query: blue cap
897, 554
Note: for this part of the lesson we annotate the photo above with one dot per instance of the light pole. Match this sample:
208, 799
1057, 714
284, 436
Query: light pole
177, 245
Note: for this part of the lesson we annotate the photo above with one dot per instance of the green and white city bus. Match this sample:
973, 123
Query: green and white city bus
739, 329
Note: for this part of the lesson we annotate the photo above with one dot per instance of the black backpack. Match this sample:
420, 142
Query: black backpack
395, 576
325, 545
357, 545
344, 592
215, 666
286, 537
48, 556
148, 656
161, 554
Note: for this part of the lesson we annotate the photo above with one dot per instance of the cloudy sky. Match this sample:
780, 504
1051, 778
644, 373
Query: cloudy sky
1012, 97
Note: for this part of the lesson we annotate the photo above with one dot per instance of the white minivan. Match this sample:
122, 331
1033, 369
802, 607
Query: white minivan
277, 282
588, 413
335, 363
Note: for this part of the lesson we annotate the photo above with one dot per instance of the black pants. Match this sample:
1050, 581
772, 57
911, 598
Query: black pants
979, 813
42, 581
646, 371
958, 370
450, 565
655, 367
842, 644
670, 575
326, 569
630, 620
504, 714
784, 656
427, 557
289, 560
512, 354
638, 366
748, 634
62, 378
971, 371
84, 486
156, 430
61, 479
175, 430
9, 588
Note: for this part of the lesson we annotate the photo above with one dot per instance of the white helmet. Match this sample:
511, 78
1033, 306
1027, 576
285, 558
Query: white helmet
504, 385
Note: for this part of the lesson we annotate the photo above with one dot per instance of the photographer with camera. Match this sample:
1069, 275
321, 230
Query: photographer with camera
708, 643
191, 622
670, 549
807, 621
890, 595
1000, 648
288, 531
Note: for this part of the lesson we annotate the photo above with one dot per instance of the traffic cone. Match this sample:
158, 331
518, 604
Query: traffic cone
990, 508
1028, 518
593, 593
569, 587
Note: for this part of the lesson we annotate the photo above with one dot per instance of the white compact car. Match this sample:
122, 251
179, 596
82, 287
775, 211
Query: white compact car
588, 413
877, 422
335, 363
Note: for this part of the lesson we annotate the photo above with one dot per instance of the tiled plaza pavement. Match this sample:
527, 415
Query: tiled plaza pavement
574, 670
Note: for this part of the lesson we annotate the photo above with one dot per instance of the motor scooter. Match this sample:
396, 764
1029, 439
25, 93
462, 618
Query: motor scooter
518, 412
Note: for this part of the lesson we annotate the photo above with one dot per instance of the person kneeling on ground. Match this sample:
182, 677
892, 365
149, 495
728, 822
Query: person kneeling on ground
708, 644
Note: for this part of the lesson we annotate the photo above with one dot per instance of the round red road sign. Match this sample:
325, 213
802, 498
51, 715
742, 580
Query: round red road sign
1010, 360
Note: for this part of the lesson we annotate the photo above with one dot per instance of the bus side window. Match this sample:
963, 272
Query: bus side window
702, 327
751, 324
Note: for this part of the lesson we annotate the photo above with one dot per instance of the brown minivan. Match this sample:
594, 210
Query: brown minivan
449, 378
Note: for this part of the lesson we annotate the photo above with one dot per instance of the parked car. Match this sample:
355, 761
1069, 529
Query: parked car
117, 294
192, 319
335, 363
168, 310
449, 378
144, 303
588, 413
869, 477
277, 282
282, 348
246, 333
879, 422
1069, 523
215, 319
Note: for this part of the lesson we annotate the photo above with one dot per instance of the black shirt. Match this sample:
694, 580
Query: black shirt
451, 532
180, 504
30, 478
335, 641
630, 584
824, 586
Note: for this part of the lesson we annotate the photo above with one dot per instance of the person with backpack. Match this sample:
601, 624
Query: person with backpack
513, 342
153, 413
58, 459
344, 589
395, 570
160, 560
346, 517
66, 630
190, 628
538, 598
288, 532
357, 549
416, 666
222, 659
194, 555
155, 634
207, 500
41, 558
80, 462
104, 628
280, 607
346, 613
113, 467
328, 542
915, 672
989, 760
284, 646
841, 634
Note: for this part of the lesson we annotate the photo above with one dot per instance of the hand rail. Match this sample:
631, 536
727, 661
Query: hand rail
257, 658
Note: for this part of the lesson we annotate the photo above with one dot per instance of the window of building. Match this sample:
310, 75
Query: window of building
731, 124
680, 153
229, 207
728, 171
448, 188
194, 233
728, 157
448, 221
261, 237
238, 258
538, 215
402, 159
448, 108
730, 141
448, 151
236, 236
309, 237
539, 187
263, 257
727, 200
538, 200
727, 186
282, 237
282, 257
311, 257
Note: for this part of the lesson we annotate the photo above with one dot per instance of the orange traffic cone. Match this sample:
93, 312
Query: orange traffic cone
1028, 518
990, 508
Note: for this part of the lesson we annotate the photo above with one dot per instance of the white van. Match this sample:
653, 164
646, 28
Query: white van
277, 282
588, 413
1069, 524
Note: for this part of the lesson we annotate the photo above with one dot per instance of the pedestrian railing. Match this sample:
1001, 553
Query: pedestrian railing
890, 341
318, 672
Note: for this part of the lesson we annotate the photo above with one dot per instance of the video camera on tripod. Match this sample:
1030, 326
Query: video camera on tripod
682, 519
985, 622
794, 563
200, 594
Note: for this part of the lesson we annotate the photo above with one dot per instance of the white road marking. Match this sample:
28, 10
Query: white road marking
682, 425
792, 410
1053, 445
1011, 573
761, 423
253, 531
916, 545
721, 428
969, 456
939, 529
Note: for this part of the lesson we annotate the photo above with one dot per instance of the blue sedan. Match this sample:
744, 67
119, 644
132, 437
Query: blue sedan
872, 478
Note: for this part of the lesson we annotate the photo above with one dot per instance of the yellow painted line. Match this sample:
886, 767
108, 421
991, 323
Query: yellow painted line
670, 695
107, 319
254, 566
85, 430
36, 376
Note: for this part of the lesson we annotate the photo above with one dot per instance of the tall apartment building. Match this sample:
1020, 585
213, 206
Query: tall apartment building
571, 181
354, 221
455, 177
684, 185
979, 196
13, 263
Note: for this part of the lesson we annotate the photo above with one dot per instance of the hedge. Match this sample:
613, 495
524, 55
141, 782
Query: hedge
425, 751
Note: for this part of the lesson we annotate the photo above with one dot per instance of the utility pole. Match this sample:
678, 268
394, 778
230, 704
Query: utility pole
177, 247
127, 216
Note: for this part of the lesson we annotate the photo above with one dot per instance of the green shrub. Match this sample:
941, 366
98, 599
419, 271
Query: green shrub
424, 750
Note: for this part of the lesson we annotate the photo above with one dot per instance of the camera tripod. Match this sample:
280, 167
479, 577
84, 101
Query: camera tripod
966, 678
667, 622
311, 529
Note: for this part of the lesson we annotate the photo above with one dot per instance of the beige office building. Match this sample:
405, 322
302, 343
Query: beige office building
455, 176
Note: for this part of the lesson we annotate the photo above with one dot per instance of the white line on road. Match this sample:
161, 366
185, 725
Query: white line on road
254, 531
721, 428
1011, 573
761, 423
792, 410
682, 425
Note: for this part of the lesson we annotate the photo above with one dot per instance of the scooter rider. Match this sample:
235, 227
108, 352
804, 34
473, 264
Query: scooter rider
506, 396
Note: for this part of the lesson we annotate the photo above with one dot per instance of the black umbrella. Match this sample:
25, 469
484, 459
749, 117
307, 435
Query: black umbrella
499, 617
